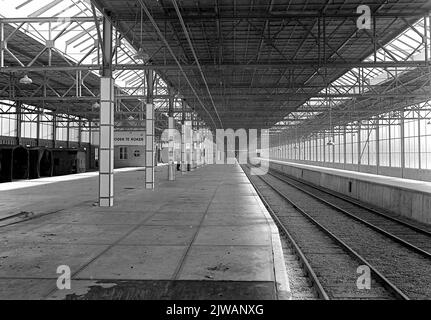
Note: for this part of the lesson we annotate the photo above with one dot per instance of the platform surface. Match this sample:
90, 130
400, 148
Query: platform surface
204, 236
408, 184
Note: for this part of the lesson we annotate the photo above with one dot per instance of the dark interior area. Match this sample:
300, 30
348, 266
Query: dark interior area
40, 163
20, 167
6, 163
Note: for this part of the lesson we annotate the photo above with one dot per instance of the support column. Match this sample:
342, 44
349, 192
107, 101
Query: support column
68, 133
171, 142
377, 142
2, 45
324, 147
106, 143
79, 132
38, 127
203, 149
183, 140
193, 148
199, 146
358, 146
389, 143
18, 122
90, 142
403, 148
171, 169
106, 127
183, 148
149, 147
149, 128
419, 141
54, 129
188, 144
344, 147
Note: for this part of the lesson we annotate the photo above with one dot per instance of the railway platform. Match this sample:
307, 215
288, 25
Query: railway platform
205, 235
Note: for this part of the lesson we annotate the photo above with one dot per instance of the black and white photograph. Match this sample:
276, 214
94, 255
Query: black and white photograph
215, 159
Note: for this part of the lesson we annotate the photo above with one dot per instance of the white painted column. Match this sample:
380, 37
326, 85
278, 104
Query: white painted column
183, 149
171, 146
188, 144
198, 149
149, 146
194, 150
106, 143
403, 148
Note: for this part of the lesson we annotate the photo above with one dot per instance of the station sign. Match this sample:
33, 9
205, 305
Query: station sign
129, 138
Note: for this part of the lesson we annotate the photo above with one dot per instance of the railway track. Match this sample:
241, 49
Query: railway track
414, 237
336, 242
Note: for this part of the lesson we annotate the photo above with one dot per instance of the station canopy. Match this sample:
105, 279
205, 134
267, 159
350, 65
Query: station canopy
285, 65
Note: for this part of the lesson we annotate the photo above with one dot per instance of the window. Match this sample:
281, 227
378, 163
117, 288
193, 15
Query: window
411, 139
7, 120
137, 153
123, 153
395, 132
384, 143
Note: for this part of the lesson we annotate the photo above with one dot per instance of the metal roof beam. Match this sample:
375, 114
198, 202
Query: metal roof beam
46, 19
273, 16
262, 65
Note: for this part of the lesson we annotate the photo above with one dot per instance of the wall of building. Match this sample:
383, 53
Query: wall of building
129, 156
89, 149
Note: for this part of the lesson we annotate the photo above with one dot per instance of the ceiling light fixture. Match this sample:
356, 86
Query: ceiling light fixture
25, 80
141, 55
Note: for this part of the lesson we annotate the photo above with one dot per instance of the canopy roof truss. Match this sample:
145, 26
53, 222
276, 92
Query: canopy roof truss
237, 64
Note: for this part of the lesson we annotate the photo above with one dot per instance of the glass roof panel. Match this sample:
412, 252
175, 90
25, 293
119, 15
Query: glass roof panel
405, 47
78, 41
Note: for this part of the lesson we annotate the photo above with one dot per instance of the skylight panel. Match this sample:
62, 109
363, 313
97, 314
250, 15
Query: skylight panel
407, 46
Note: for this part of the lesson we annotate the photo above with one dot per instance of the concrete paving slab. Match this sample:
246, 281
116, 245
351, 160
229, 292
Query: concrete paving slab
20, 260
100, 217
235, 263
135, 262
160, 235
253, 235
72, 234
176, 219
25, 289
232, 219
185, 208
236, 208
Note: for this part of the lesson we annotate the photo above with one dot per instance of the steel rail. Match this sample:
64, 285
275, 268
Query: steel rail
385, 282
321, 292
368, 224
361, 205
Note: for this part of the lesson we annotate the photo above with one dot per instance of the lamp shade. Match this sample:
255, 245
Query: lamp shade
25, 80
